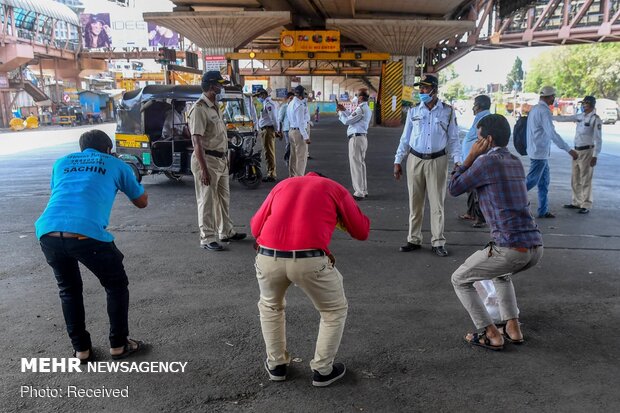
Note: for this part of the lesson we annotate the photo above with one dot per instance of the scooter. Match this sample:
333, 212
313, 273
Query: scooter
244, 163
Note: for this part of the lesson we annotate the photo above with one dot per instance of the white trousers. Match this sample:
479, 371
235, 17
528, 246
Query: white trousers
357, 163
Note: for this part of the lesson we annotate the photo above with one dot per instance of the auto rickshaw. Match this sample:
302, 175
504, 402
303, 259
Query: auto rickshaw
70, 116
140, 120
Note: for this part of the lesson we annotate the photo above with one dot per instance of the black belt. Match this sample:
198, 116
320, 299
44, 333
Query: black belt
294, 128
215, 153
291, 254
267, 127
583, 148
427, 155
356, 134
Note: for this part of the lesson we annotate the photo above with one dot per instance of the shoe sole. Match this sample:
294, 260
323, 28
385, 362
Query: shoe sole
204, 247
327, 383
271, 376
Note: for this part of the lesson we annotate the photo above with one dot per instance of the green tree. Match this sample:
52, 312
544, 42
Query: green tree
514, 80
446, 75
575, 71
453, 89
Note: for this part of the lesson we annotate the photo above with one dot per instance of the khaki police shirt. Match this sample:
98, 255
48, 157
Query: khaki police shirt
205, 119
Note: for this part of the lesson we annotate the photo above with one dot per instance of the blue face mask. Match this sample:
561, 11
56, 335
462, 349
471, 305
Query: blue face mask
425, 97
261, 100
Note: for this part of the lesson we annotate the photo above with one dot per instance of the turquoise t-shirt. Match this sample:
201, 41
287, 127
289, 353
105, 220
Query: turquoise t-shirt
84, 185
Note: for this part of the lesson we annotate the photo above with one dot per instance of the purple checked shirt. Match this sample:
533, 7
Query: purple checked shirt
499, 179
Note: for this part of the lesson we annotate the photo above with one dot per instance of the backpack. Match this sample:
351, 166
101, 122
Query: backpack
519, 135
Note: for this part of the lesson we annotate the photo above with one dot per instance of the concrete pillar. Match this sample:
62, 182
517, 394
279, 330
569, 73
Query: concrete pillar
5, 110
279, 82
410, 70
318, 85
328, 84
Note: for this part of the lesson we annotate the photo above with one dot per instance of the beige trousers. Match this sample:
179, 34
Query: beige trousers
497, 264
322, 283
268, 138
581, 180
213, 200
357, 163
426, 178
299, 154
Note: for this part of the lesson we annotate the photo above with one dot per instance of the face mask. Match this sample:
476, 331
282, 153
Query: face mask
425, 97
261, 100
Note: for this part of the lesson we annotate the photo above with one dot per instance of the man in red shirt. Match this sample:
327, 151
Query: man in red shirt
293, 228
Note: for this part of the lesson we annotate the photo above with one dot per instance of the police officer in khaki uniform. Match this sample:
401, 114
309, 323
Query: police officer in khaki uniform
430, 136
210, 166
269, 130
588, 143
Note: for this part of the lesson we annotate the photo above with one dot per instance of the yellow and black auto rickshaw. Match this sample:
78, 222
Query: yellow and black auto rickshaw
141, 143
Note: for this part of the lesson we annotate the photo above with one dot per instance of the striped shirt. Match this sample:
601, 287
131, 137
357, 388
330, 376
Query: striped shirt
499, 179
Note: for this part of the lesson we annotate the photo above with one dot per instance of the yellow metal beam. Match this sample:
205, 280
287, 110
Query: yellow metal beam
362, 56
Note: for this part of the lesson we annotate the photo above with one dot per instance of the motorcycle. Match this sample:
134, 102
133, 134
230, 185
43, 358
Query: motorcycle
244, 163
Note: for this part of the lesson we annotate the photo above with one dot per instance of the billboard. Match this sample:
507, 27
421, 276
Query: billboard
96, 30
127, 28
162, 36
310, 41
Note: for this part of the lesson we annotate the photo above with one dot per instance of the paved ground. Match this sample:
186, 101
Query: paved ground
403, 341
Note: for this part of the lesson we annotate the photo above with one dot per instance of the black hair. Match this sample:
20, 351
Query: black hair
496, 126
95, 139
483, 102
363, 93
289, 94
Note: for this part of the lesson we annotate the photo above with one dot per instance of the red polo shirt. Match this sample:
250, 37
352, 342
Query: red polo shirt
300, 213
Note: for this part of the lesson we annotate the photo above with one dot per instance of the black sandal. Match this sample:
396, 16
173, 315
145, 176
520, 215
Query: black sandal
481, 340
128, 350
510, 339
91, 356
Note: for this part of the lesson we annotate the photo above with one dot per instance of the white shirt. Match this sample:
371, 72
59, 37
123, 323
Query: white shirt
540, 133
298, 116
269, 115
358, 120
173, 125
282, 118
429, 131
588, 131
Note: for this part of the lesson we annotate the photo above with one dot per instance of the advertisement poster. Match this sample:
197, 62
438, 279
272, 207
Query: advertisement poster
125, 28
160, 36
96, 30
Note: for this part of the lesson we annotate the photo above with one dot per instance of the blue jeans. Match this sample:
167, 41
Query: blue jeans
539, 176
106, 262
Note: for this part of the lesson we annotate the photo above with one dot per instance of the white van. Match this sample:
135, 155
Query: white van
608, 115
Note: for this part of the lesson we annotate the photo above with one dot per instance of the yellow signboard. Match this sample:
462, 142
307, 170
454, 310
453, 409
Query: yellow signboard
407, 93
310, 41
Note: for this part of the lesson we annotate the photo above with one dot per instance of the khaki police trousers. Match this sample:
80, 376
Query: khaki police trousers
268, 139
497, 264
426, 177
581, 179
299, 154
322, 283
213, 200
357, 163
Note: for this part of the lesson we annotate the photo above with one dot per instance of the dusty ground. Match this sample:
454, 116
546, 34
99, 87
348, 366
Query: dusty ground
403, 342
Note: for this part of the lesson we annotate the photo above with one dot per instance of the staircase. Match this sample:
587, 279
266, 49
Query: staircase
37, 94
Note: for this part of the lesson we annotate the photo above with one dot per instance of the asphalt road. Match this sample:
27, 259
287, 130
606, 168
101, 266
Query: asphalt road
403, 341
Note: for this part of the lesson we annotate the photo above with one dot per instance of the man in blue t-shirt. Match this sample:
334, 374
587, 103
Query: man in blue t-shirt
72, 229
